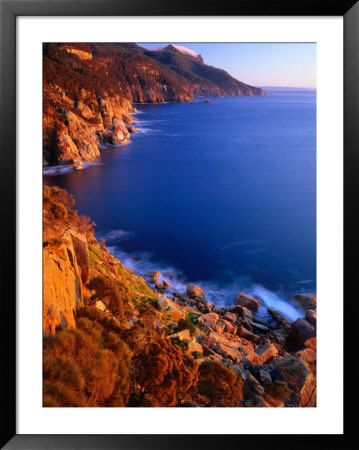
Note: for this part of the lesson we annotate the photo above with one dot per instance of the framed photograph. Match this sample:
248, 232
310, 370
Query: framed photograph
173, 181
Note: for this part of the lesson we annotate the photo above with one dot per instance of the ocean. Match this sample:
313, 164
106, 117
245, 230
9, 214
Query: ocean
219, 194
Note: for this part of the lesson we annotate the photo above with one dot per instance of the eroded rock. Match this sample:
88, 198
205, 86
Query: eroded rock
246, 301
304, 333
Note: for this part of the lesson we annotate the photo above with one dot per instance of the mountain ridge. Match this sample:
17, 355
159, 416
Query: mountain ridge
89, 91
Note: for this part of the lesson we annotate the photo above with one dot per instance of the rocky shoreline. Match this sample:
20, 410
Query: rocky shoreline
89, 91
268, 354
271, 362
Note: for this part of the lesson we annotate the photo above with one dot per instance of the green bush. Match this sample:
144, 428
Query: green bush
186, 324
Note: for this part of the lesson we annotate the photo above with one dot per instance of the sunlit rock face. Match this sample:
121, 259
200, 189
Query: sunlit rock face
89, 89
65, 271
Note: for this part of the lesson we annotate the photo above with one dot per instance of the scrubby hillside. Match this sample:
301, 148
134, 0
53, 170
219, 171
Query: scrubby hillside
89, 89
205, 80
112, 338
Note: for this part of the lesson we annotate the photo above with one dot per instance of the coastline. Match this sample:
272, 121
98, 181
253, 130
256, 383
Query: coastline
122, 329
220, 294
273, 362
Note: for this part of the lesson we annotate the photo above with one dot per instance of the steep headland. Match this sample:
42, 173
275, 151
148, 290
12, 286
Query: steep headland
89, 90
115, 338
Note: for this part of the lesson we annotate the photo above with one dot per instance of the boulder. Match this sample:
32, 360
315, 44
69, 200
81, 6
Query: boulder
306, 301
237, 368
280, 319
227, 326
243, 332
251, 385
259, 327
264, 378
279, 336
267, 352
194, 347
227, 352
311, 316
253, 358
211, 317
118, 137
159, 286
246, 313
194, 291
298, 377
154, 275
304, 333
183, 335
215, 337
100, 305
166, 283
246, 324
76, 164
246, 301
231, 317
309, 357
163, 304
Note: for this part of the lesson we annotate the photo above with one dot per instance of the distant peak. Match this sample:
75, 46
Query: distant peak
181, 49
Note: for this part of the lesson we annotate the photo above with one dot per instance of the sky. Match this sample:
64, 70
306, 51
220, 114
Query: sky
259, 64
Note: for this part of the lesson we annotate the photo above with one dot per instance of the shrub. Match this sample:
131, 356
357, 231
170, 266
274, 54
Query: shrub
114, 294
87, 366
186, 324
163, 373
220, 384
58, 210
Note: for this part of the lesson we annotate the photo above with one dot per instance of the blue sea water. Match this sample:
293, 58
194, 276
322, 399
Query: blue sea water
222, 194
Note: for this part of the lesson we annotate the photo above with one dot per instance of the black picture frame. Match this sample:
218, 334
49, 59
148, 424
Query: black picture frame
9, 10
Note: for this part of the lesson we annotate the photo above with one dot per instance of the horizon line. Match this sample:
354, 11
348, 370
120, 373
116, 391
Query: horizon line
285, 87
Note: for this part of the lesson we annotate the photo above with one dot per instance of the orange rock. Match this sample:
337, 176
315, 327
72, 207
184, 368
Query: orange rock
227, 326
267, 352
305, 301
299, 378
211, 317
311, 316
243, 332
254, 358
248, 302
62, 288
231, 317
304, 333
309, 357
194, 291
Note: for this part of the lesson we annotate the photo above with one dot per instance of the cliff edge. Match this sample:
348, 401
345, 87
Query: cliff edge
115, 338
89, 90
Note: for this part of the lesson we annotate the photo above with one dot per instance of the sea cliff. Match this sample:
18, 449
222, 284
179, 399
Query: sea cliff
89, 90
115, 338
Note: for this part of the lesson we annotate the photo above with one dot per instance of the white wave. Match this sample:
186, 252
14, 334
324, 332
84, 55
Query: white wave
275, 301
56, 170
147, 130
113, 237
60, 169
219, 294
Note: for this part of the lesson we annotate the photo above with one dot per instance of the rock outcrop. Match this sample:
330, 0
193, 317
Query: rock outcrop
86, 289
89, 89
248, 302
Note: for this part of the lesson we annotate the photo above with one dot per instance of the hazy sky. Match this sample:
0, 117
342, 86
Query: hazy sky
292, 65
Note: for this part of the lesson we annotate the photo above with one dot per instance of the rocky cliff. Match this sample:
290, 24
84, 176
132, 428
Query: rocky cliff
89, 89
114, 338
